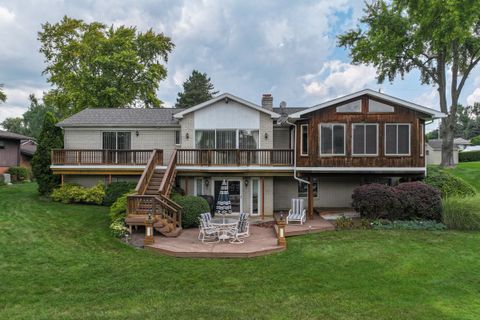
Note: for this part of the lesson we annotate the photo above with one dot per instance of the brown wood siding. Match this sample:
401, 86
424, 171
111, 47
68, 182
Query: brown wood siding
329, 115
10, 155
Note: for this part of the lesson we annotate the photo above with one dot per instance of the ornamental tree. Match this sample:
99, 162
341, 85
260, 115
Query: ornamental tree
197, 88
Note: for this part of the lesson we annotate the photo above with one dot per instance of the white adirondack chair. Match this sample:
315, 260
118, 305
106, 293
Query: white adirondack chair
298, 212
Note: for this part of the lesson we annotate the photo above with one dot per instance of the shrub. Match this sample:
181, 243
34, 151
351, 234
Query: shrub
420, 200
19, 174
115, 190
469, 156
192, 207
118, 209
343, 223
475, 141
118, 228
375, 201
448, 184
462, 213
72, 193
407, 225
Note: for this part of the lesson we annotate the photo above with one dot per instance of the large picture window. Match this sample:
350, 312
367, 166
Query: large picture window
226, 139
205, 139
116, 140
248, 139
397, 139
364, 139
332, 139
304, 139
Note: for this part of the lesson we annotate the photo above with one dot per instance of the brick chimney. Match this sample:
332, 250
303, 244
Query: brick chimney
267, 101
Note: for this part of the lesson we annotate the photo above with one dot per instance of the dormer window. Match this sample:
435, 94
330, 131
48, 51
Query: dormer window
351, 107
379, 107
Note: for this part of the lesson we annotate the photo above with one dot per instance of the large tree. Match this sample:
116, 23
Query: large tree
92, 65
3, 96
14, 125
441, 39
197, 88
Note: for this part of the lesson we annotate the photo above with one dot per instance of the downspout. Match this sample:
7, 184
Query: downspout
295, 153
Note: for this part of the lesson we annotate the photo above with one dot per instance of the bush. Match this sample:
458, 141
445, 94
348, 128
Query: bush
344, 223
375, 201
475, 141
462, 213
420, 200
115, 190
118, 209
192, 207
469, 156
72, 193
431, 225
19, 174
448, 184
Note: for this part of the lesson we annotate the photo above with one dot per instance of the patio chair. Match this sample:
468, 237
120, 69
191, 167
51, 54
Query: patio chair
241, 230
298, 212
207, 217
207, 232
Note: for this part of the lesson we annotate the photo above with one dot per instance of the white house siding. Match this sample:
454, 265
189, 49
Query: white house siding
231, 115
266, 127
84, 180
83, 139
281, 138
435, 156
284, 190
187, 124
156, 139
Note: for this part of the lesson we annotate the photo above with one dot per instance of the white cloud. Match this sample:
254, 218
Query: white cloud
474, 97
6, 16
428, 99
338, 78
17, 101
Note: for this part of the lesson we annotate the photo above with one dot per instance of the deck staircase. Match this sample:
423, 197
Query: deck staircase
153, 197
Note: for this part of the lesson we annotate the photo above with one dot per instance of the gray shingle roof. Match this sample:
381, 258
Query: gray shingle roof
161, 117
13, 136
436, 144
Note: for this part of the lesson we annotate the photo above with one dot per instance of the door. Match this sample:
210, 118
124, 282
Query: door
234, 191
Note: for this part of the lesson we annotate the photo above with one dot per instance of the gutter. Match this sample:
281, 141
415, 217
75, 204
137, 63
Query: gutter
295, 153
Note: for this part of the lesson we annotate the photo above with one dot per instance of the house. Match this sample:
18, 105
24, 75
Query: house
267, 155
461, 143
434, 151
15, 150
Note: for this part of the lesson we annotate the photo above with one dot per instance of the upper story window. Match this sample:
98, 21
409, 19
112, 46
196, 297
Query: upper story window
205, 139
354, 106
304, 139
379, 107
248, 139
364, 139
178, 137
397, 139
2, 144
226, 139
116, 140
332, 139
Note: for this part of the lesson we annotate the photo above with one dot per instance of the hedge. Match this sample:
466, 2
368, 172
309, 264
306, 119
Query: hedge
407, 201
192, 207
115, 190
72, 193
469, 156
19, 174
448, 184
462, 213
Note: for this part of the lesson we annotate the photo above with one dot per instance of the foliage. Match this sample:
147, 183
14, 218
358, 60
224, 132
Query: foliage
118, 228
92, 65
3, 96
117, 214
192, 207
399, 36
462, 213
448, 184
116, 189
30, 124
411, 200
19, 174
475, 140
197, 88
469, 172
50, 138
432, 135
431, 225
344, 223
72, 193
468, 121
469, 156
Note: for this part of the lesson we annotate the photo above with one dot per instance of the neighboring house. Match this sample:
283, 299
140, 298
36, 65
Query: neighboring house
434, 151
461, 143
471, 148
261, 151
15, 150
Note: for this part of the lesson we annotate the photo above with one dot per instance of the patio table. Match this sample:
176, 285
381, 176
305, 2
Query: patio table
224, 226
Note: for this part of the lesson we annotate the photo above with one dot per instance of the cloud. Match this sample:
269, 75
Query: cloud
428, 99
474, 97
6, 16
17, 100
337, 78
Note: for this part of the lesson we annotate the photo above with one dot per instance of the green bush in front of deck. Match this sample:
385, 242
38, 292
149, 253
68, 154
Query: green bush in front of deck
192, 207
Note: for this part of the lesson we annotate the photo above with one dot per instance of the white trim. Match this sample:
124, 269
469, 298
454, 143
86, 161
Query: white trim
365, 140
272, 114
422, 139
259, 206
242, 169
362, 169
301, 140
409, 140
333, 137
432, 112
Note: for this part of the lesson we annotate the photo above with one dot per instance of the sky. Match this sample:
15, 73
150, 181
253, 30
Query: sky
286, 48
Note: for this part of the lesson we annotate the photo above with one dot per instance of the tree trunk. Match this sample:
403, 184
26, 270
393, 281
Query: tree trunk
448, 125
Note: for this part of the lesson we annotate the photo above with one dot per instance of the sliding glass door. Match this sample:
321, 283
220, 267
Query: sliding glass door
115, 141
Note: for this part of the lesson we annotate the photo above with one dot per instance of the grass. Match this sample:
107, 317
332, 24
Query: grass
469, 171
58, 261
462, 213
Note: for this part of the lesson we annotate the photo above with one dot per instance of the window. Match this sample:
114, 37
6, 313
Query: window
364, 139
375, 106
332, 139
198, 186
397, 139
422, 139
116, 140
226, 139
205, 139
2, 144
303, 189
248, 139
256, 197
177, 137
354, 106
304, 139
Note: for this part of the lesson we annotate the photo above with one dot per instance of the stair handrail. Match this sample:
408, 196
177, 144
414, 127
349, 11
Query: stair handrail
148, 172
169, 175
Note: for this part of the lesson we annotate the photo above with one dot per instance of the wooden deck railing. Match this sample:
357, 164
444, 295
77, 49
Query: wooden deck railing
102, 157
235, 157
169, 176
157, 206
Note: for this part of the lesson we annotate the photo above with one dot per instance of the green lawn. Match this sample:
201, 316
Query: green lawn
59, 262
469, 171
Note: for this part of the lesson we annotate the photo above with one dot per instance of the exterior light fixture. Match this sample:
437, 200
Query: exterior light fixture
187, 136
137, 133
149, 230
207, 181
281, 230
245, 180
266, 135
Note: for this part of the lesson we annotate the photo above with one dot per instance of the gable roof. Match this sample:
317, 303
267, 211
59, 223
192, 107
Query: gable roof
432, 112
13, 136
159, 117
436, 144
226, 95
